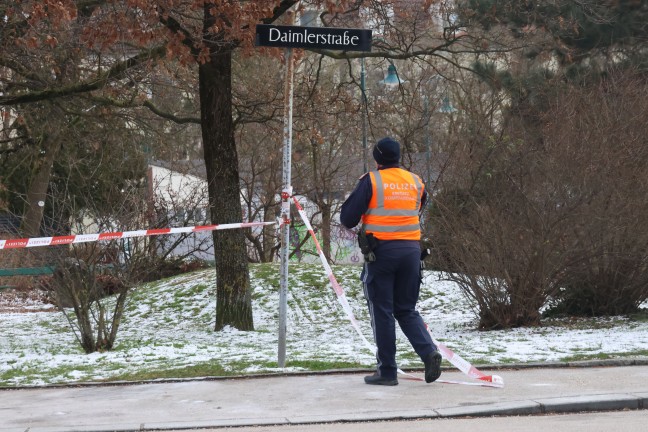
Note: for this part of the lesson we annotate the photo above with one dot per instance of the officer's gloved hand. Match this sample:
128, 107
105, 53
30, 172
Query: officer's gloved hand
424, 253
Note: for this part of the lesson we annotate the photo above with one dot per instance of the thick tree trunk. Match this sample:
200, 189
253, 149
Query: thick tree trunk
233, 296
37, 192
36, 196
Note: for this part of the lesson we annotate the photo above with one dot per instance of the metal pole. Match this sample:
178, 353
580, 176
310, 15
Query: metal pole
364, 114
286, 193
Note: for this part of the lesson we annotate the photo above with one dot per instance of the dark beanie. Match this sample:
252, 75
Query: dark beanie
387, 151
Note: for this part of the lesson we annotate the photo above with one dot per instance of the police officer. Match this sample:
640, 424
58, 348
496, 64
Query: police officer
388, 201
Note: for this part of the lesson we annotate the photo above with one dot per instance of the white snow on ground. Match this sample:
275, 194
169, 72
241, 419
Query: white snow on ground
169, 325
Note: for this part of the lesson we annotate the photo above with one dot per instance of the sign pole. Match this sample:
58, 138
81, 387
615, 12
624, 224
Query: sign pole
290, 37
286, 195
365, 113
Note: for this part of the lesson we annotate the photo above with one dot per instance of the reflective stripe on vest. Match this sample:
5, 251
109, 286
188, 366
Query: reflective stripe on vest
394, 206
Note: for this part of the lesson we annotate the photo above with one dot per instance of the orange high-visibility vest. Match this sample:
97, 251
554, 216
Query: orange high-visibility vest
393, 212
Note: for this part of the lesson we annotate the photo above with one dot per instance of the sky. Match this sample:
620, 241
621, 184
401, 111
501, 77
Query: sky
169, 325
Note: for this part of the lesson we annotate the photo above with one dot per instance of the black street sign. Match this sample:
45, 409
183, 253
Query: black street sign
313, 37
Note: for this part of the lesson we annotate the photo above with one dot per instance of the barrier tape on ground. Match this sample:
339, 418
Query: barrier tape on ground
466, 367
84, 238
456, 360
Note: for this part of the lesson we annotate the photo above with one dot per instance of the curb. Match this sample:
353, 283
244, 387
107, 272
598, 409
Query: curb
561, 405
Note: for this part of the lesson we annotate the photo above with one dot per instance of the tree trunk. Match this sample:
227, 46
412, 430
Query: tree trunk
233, 296
37, 192
326, 229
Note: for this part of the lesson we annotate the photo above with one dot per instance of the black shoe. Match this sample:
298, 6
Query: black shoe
376, 379
432, 366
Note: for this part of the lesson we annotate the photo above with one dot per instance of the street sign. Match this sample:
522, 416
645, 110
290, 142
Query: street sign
313, 37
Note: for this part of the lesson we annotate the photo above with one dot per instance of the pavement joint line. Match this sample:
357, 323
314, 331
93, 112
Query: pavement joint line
643, 399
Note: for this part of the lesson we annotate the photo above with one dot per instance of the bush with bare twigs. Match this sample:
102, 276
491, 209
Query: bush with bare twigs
550, 213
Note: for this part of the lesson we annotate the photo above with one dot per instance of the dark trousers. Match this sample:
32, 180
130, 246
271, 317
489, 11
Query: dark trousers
391, 287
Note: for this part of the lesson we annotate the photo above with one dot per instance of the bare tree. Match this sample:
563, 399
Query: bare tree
92, 280
204, 36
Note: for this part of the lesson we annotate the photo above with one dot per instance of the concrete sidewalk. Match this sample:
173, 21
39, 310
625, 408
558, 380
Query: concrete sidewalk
317, 398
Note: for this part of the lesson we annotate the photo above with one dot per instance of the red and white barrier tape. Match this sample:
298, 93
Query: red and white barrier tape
456, 360
466, 367
334, 283
84, 238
